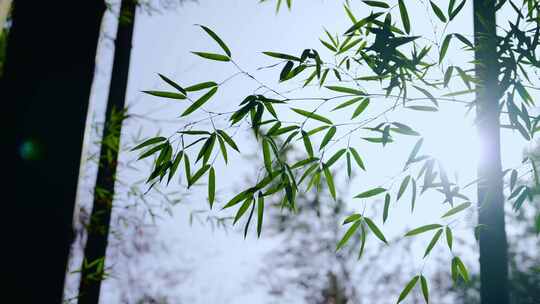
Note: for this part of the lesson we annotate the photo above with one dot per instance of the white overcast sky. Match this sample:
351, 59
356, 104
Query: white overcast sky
224, 263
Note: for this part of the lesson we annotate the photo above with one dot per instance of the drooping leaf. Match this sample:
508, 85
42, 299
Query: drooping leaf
386, 207
282, 56
449, 237
404, 16
444, 47
379, 4
329, 181
217, 39
172, 83
260, 213
211, 187
378, 233
425, 289
357, 158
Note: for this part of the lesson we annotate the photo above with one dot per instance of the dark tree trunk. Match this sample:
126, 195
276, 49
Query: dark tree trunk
98, 229
44, 92
493, 245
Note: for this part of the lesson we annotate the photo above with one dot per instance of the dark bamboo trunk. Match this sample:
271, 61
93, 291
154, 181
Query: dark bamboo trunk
44, 92
493, 244
98, 229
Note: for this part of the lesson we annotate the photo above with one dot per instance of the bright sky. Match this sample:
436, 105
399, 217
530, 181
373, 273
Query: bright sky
224, 263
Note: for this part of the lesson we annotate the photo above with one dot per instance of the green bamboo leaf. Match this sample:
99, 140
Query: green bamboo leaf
408, 288
212, 56
462, 269
362, 241
282, 56
312, 115
464, 40
404, 16
454, 13
200, 102
266, 156
448, 75
438, 12
433, 242
422, 108
348, 235
237, 199
457, 209
329, 181
449, 237
198, 175
386, 207
423, 229
149, 142
379, 4
327, 137
217, 39
242, 210
175, 165
335, 157
211, 187
164, 94
371, 192
307, 144
260, 213
328, 45
228, 139
347, 103
425, 289
201, 86
352, 218
152, 151
361, 107
378, 233
223, 149
172, 83
444, 47
345, 90
357, 158
403, 186
349, 167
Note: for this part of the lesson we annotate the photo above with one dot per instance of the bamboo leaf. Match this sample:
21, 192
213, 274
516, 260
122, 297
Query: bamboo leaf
438, 12
457, 209
164, 94
423, 229
407, 289
200, 102
404, 16
212, 56
371, 192
348, 235
444, 47
329, 181
425, 289
433, 242
260, 213
312, 115
211, 187
449, 237
149, 142
403, 186
345, 90
217, 39
327, 137
378, 233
